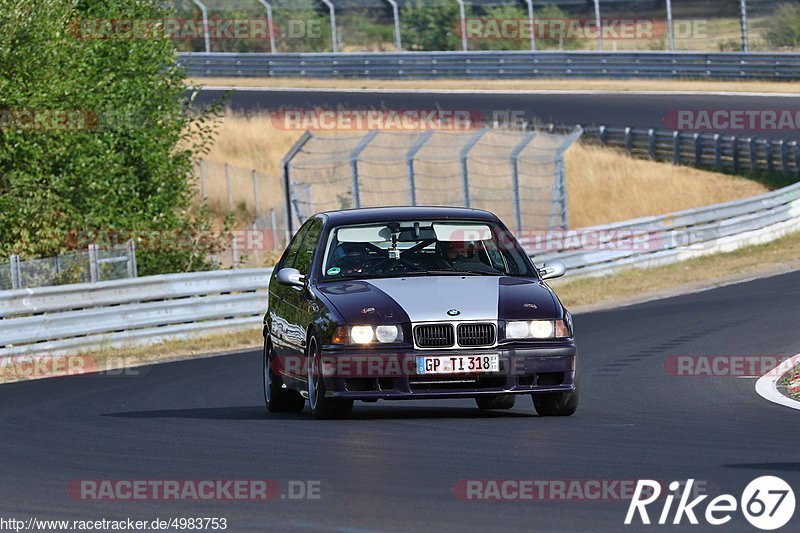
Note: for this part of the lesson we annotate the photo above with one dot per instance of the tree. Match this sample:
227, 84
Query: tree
111, 145
784, 27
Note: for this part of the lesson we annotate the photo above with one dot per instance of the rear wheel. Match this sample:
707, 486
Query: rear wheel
556, 403
322, 407
499, 401
276, 398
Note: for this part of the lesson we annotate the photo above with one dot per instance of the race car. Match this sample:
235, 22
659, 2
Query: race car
414, 303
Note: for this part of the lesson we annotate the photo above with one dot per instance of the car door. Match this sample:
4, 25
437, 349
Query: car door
279, 296
301, 307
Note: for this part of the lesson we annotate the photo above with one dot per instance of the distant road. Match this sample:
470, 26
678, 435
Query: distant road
590, 108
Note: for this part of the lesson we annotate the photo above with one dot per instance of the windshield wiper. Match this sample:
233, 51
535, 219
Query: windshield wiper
459, 273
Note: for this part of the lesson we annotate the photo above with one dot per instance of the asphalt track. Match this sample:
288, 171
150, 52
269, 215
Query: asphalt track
394, 465
620, 110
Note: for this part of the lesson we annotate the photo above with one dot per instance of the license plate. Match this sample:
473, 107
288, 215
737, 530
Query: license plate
458, 364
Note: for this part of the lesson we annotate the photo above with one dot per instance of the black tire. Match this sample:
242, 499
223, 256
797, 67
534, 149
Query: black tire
556, 403
323, 408
276, 398
498, 401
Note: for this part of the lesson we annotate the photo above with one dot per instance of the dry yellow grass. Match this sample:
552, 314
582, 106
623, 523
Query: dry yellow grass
506, 85
603, 185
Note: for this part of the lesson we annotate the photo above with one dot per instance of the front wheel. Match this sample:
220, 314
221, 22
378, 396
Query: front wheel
499, 401
276, 398
556, 403
322, 407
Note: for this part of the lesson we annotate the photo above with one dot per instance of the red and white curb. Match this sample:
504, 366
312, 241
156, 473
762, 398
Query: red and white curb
767, 385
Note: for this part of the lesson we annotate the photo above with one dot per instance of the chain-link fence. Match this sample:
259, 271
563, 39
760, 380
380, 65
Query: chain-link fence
281, 26
93, 265
519, 175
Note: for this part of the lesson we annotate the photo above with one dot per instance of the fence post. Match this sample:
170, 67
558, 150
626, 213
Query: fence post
465, 165
698, 149
412, 153
334, 36
753, 154
628, 140
676, 147
463, 18
743, 13
770, 158
257, 201
203, 186
735, 146
603, 132
271, 24
651, 134
354, 155
206, 36
228, 186
287, 183
235, 251
273, 221
599, 25
398, 40
796, 158
784, 157
133, 270
94, 266
670, 33
515, 178
530, 21
717, 154
16, 281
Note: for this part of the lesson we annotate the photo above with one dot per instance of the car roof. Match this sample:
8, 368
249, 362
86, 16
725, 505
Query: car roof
383, 214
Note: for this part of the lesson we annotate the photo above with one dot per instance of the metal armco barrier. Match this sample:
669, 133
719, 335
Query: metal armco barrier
489, 64
72, 318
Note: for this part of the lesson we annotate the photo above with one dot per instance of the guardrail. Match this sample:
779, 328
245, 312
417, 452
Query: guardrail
71, 318
505, 64
727, 152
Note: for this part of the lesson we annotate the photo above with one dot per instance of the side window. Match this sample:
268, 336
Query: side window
291, 251
305, 255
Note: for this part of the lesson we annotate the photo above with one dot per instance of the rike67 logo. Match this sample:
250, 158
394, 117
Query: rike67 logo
767, 503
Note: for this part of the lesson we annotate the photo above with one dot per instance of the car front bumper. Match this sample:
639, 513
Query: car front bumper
390, 374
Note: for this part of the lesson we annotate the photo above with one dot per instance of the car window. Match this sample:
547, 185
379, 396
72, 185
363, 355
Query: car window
305, 255
291, 251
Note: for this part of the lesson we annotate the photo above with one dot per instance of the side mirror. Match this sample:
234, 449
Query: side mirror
551, 270
291, 277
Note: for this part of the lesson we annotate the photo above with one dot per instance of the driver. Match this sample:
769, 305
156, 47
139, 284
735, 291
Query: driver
459, 255
351, 258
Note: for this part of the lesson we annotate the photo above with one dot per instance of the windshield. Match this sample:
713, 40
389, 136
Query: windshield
394, 249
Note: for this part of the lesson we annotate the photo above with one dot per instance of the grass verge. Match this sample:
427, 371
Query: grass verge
579, 295
631, 85
636, 284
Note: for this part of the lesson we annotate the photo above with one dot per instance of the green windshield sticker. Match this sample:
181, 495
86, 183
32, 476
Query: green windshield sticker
334, 271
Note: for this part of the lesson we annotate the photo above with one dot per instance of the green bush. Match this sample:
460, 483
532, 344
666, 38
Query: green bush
430, 25
784, 27
124, 160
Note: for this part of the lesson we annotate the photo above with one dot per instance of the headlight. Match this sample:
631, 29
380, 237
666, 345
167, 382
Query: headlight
362, 334
383, 334
537, 329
